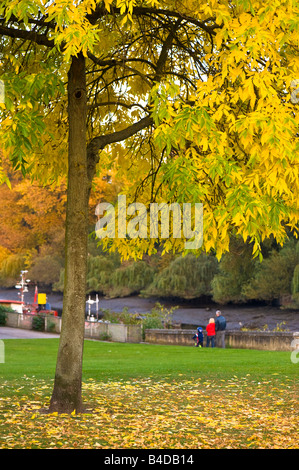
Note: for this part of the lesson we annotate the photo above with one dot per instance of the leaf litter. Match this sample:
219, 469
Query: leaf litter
146, 413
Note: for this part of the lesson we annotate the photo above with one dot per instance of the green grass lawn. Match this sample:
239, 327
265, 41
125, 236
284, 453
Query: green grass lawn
148, 396
104, 360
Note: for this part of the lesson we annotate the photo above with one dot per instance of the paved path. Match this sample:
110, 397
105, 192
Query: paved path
7, 332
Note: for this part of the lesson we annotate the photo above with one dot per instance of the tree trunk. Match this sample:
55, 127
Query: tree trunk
66, 396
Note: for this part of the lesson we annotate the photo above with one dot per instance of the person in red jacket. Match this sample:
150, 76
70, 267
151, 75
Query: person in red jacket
211, 333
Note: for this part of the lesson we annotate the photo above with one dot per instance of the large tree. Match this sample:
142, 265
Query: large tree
200, 92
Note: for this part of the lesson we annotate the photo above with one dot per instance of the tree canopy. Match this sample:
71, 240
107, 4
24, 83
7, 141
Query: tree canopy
210, 81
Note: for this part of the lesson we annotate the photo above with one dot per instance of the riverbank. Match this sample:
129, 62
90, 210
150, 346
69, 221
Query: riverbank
237, 316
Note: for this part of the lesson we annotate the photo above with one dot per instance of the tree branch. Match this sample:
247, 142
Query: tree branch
100, 142
139, 11
116, 103
100, 11
40, 39
114, 62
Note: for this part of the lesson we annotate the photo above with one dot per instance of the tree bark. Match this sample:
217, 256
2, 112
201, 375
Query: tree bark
66, 396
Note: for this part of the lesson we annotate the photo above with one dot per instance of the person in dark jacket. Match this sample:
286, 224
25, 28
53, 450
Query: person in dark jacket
199, 338
220, 326
220, 323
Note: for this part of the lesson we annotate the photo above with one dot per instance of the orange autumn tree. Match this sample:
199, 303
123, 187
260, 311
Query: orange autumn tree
32, 220
199, 91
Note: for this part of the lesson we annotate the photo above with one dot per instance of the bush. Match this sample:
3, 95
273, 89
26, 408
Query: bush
121, 317
51, 327
151, 321
159, 317
38, 323
105, 337
3, 315
112, 317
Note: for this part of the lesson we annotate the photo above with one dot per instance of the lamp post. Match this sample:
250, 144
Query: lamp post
97, 307
89, 302
23, 287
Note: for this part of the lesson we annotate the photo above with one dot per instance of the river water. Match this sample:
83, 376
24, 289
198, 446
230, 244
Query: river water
188, 313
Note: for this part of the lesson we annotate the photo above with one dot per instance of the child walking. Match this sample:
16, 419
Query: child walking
211, 333
199, 338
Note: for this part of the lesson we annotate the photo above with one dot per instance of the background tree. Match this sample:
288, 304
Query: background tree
274, 276
236, 268
186, 277
131, 278
295, 286
32, 226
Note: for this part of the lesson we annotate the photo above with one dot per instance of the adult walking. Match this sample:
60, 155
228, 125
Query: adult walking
220, 326
211, 333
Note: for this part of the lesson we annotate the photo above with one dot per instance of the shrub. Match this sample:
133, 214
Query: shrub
151, 321
38, 323
51, 327
112, 317
159, 317
122, 317
105, 337
3, 315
